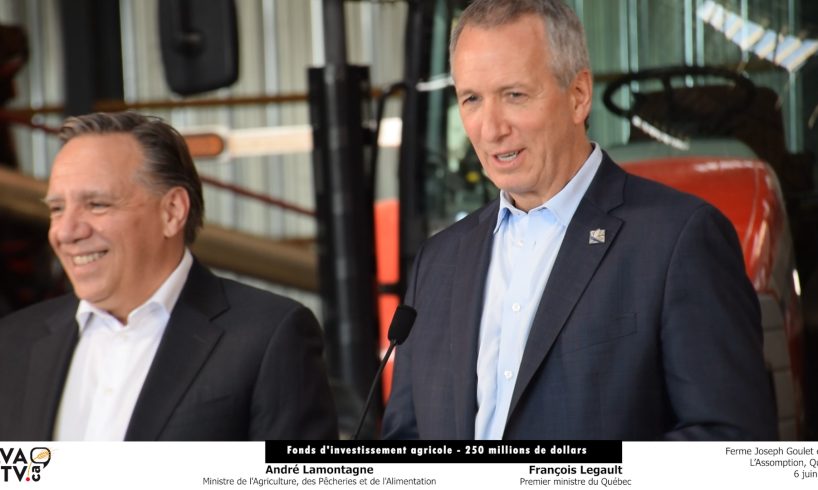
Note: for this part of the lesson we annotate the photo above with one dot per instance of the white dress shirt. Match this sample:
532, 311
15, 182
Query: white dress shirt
523, 252
111, 362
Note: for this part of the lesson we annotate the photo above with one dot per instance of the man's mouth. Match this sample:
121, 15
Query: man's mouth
87, 258
507, 157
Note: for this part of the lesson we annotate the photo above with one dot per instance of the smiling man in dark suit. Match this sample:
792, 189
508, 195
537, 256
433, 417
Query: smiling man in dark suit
151, 345
584, 303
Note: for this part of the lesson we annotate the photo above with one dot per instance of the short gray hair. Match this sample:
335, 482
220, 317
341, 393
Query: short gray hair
566, 36
168, 162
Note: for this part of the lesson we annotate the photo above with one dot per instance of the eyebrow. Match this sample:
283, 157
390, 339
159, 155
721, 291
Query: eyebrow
502, 88
514, 86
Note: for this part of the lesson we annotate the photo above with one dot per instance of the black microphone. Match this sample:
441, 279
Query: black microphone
402, 322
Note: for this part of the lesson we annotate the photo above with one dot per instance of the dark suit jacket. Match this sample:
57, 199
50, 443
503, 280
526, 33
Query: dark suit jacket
234, 363
654, 333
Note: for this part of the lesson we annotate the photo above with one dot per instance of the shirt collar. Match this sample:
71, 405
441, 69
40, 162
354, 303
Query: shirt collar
165, 297
564, 203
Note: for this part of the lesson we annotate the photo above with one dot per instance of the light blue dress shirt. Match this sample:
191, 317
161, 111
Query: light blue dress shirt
523, 253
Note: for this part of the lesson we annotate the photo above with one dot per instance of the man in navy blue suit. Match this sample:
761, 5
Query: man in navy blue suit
584, 303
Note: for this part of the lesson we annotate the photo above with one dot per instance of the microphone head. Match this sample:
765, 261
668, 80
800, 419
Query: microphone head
402, 322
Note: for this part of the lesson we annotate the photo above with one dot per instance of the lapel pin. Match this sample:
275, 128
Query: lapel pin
596, 236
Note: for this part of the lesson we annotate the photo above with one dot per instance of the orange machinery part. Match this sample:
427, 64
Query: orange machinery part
386, 258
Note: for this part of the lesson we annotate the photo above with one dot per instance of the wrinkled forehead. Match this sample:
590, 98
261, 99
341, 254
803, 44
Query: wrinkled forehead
512, 50
96, 163
120, 151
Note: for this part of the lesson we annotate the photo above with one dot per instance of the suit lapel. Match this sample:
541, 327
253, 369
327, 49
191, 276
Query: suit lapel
576, 262
47, 370
473, 258
187, 343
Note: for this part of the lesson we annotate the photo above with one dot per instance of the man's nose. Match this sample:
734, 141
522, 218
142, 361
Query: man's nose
70, 226
494, 124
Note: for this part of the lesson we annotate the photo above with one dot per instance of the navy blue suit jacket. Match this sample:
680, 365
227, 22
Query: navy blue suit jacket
235, 363
653, 334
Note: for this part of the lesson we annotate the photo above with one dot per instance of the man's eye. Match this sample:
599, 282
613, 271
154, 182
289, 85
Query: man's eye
99, 205
468, 99
54, 209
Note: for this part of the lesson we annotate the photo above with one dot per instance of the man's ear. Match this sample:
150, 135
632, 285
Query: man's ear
175, 208
581, 93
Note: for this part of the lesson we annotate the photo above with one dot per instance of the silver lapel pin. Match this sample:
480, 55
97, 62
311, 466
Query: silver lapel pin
596, 236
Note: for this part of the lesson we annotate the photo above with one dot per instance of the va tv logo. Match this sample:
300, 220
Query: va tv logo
15, 464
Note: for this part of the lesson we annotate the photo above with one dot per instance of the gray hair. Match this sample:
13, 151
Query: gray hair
168, 162
566, 36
